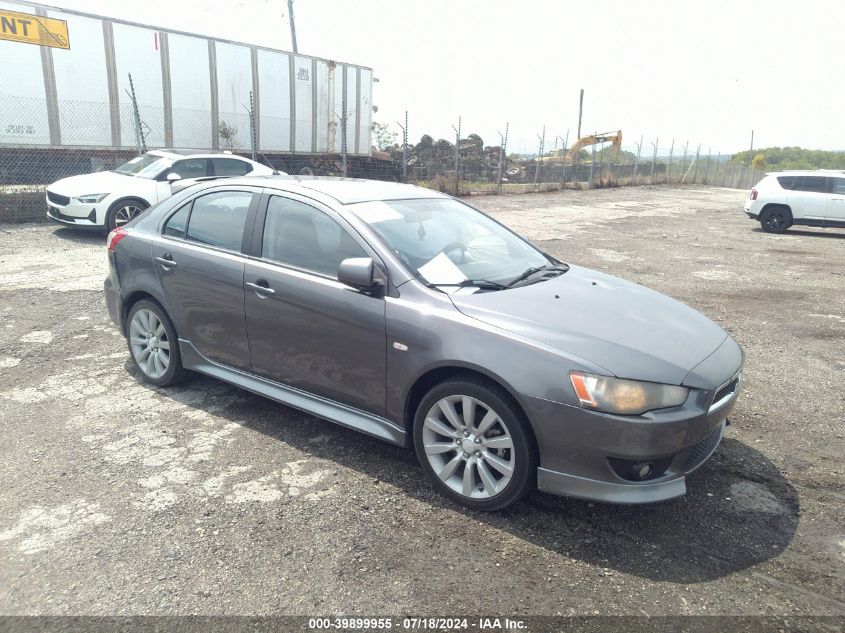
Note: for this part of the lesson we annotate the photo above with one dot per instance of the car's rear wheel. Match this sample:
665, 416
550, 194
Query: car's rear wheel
776, 219
123, 211
153, 344
474, 444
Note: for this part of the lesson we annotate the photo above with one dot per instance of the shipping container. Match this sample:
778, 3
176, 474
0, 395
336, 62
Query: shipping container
68, 87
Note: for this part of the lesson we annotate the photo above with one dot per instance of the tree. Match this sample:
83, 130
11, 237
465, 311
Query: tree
759, 162
382, 136
227, 134
783, 158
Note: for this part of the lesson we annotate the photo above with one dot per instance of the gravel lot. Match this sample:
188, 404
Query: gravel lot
123, 499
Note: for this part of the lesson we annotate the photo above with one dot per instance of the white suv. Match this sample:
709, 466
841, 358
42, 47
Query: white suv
105, 200
812, 198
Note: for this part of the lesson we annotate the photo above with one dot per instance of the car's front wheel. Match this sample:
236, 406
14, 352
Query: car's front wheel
153, 344
776, 219
124, 211
474, 444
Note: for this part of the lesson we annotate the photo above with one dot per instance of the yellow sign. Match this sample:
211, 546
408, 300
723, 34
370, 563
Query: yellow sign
33, 29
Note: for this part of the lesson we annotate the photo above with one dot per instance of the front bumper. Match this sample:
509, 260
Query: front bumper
76, 214
592, 455
669, 486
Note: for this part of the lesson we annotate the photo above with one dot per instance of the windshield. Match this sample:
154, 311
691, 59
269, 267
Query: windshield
446, 242
145, 166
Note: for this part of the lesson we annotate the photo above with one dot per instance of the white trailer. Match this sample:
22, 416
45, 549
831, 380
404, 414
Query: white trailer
72, 91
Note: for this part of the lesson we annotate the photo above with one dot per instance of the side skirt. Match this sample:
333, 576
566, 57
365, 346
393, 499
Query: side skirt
316, 405
821, 223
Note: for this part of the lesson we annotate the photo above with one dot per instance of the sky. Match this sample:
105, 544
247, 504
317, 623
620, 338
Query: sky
703, 73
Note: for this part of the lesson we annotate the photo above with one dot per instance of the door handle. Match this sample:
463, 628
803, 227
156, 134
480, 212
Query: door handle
259, 289
166, 261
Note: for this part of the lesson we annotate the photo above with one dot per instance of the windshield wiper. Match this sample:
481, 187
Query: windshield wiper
528, 272
484, 284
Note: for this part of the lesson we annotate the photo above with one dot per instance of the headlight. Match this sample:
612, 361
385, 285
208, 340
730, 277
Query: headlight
91, 198
624, 397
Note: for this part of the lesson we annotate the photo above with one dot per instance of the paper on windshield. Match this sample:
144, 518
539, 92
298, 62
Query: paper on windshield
441, 270
376, 211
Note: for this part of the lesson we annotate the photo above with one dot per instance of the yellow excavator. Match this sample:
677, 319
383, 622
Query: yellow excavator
615, 138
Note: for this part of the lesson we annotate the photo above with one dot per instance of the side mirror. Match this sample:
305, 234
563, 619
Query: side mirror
358, 272
172, 177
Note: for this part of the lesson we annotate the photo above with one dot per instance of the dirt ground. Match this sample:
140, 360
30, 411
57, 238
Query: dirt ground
123, 499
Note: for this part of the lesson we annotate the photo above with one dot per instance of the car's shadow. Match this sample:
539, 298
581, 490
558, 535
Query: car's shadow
79, 236
739, 510
833, 232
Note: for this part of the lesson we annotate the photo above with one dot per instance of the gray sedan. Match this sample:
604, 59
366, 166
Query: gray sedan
415, 318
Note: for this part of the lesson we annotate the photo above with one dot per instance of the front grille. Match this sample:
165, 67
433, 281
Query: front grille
701, 450
57, 199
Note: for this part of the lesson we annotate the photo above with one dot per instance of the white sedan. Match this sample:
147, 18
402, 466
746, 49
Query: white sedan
105, 200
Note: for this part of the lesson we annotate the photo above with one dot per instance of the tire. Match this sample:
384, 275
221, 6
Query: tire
123, 211
776, 219
506, 444
156, 357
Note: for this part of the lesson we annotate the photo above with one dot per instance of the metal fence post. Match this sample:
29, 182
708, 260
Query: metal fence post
695, 173
654, 158
539, 164
404, 147
563, 161
637, 162
707, 169
684, 163
343, 134
253, 137
457, 156
592, 162
601, 165
669, 165
139, 131
502, 157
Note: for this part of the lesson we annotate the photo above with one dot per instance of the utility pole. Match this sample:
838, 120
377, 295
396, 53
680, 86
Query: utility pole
292, 26
751, 151
580, 111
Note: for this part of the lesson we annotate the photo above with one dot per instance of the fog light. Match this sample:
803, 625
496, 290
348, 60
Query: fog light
641, 471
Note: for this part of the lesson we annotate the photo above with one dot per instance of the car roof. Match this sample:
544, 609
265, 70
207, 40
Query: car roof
803, 172
343, 190
181, 153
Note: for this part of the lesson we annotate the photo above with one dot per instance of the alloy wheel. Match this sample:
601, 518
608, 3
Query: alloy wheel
126, 213
149, 342
468, 446
775, 221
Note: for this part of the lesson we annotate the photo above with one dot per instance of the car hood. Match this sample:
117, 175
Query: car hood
98, 182
629, 330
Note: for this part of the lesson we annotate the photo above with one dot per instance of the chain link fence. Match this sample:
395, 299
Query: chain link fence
92, 136
467, 166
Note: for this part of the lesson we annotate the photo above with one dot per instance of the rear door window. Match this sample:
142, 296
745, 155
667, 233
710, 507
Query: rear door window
839, 186
814, 184
189, 168
218, 219
230, 167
